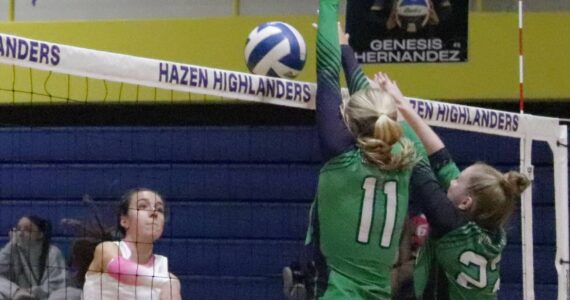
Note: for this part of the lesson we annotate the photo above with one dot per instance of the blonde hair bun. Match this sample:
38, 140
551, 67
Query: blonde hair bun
517, 182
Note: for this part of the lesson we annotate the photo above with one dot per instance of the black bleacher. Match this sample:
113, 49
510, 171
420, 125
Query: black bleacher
238, 196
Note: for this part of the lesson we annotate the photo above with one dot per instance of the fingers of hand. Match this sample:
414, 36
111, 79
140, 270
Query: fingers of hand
385, 78
382, 79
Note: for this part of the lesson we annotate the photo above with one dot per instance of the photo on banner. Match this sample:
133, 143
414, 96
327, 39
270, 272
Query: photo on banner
408, 31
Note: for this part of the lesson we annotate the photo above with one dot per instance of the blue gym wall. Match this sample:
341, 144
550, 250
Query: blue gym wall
238, 196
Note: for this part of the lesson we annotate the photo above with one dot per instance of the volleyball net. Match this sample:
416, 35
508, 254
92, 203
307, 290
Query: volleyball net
40, 72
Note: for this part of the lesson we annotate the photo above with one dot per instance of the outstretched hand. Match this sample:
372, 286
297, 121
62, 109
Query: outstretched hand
391, 87
429, 138
342, 36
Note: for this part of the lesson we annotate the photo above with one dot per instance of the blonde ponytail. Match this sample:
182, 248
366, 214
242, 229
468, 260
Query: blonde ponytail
370, 116
387, 130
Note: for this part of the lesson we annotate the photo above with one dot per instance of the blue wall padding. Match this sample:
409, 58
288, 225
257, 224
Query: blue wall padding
238, 197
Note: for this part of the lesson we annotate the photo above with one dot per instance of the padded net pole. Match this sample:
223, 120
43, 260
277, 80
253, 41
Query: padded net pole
560, 153
527, 168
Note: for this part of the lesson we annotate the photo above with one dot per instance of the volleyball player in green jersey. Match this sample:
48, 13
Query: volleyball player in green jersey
362, 196
466, 222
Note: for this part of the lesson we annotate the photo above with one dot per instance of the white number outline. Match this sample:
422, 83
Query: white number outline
469, 258
367, 212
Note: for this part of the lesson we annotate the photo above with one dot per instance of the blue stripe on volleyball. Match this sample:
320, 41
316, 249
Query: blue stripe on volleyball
261, 26
295, 51
293, 59
293, 62
261, 49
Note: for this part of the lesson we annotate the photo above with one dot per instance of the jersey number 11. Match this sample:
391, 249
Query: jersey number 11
367, 211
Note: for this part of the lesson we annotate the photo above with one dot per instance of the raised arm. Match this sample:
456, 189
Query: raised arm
428, 189
429, 138
446, 170
334, 135
355, 78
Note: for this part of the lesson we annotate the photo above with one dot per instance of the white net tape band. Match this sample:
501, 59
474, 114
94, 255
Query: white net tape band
243, 86
154, 73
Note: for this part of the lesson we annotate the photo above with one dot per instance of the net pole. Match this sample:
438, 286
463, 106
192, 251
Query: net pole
560, 154
527, 168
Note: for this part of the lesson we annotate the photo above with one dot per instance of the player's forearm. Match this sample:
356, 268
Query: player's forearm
444, 167
429, 138
328, 48
333, 134
355, 78
441, 213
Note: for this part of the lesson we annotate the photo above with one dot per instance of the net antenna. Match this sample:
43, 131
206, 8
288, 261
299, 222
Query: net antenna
526, 167
231, 85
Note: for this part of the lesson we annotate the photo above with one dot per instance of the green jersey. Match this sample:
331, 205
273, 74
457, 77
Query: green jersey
469, 257
361, 211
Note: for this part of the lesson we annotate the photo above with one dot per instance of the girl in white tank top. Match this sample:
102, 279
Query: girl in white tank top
129, 269
101, 286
